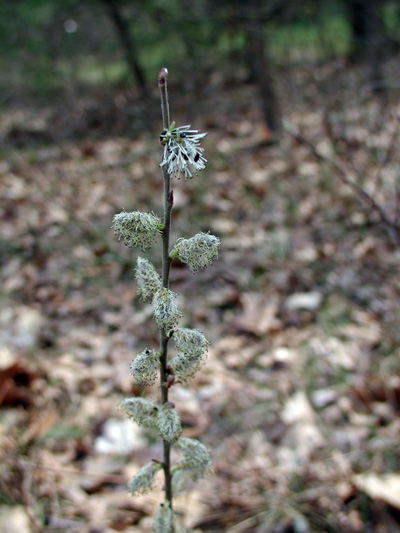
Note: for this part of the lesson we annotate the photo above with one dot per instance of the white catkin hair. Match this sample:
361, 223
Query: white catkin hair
136, 229
169, 424
198, 252
192, 349
196, 457
148, 280
143, 480
182, 152
166, 312
164, 519
143, 412
144, 368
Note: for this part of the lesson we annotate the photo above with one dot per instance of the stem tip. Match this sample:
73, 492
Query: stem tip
162, 77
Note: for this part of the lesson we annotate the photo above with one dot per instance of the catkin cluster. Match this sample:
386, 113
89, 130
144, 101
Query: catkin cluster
182, 155
192, 349
136, 229
197, 252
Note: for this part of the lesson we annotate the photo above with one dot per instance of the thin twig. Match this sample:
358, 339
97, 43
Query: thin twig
391, 227
110, 478
397, 199
377, 181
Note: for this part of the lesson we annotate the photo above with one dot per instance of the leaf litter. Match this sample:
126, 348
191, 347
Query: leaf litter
300, 399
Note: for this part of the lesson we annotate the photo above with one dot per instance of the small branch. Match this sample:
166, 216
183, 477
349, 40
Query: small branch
392, 145
392, 229
26, 493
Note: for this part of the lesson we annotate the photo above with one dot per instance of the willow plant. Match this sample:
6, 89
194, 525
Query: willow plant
182, 156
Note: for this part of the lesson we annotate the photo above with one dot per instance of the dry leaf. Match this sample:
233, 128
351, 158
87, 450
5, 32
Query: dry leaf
385, 488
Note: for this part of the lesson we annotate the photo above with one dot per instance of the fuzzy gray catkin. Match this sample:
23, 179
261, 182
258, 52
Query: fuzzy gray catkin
143, 480
148, 280
136, 229
144, 368
196, 457
190, 341
164, 519
178, 483
169, 424
198, 252
192, 349
166, 312
143, 412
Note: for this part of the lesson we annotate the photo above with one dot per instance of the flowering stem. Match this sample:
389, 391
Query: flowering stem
166, 263
182, 155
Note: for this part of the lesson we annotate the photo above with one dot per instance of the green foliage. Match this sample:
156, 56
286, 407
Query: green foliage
47, 45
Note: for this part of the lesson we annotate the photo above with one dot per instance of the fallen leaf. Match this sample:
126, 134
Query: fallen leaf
385, 488
259, 313
14, 519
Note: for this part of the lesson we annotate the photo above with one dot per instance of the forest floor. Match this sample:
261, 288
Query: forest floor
299, 400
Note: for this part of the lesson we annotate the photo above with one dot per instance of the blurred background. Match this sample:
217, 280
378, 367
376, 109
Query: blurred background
300, 398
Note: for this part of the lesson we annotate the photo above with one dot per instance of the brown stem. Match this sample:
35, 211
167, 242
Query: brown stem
164, 399
166, 263
162, 84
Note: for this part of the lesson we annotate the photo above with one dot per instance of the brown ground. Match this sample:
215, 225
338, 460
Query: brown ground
299, 400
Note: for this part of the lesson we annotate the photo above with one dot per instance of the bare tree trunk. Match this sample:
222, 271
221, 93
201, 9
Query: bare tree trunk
358, 21
122, 29
367, 39
374, 45
259, 68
